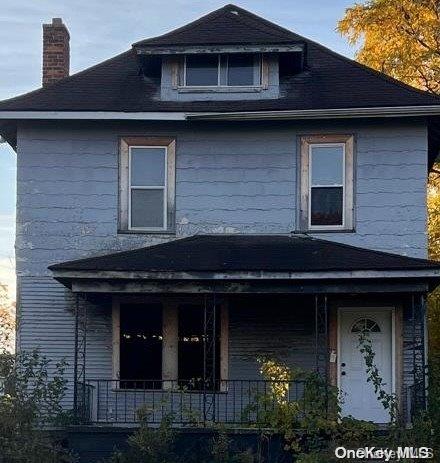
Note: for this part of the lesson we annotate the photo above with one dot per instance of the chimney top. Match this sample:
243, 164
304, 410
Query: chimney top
56, 51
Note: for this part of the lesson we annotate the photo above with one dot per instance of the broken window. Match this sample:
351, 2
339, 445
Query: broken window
141, 346
191, 348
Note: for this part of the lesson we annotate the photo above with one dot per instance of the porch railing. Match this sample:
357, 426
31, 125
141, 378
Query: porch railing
187, 402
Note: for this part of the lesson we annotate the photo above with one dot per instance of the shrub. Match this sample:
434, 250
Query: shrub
29, 400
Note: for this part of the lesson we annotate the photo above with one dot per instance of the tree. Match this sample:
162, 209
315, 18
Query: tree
399, 37
7, 325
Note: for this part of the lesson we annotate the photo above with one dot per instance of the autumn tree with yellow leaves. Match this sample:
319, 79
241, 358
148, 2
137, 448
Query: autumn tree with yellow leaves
398, 37
7, 323
401, 38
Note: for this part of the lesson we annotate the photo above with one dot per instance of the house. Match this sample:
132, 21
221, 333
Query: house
225, 191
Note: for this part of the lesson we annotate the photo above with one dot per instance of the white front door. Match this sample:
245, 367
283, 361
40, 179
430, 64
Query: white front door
358, 396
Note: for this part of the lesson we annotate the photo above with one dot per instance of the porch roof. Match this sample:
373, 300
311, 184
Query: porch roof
247, 257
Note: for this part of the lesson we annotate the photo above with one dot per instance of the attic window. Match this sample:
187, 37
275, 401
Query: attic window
222, 70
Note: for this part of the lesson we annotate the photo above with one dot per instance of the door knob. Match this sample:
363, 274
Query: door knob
342, 373
342, 364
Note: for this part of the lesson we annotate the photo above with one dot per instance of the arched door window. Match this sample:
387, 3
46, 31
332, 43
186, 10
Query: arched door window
365, 325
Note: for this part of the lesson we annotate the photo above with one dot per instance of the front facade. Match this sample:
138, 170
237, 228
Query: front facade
269, 197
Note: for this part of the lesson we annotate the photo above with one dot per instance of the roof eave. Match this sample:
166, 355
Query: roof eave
333, 113
70, 274
217, 48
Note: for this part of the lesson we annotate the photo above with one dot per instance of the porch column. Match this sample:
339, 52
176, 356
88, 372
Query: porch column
321, 335
170, 343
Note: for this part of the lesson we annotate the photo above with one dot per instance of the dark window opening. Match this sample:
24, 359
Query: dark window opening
202, 70
240, 69
290, 63
141, 346
191, 347
327, 206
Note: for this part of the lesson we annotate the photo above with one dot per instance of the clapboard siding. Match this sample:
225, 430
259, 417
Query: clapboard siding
230, 178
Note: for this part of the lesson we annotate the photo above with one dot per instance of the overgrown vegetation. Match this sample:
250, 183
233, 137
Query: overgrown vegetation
164, 444
30, 398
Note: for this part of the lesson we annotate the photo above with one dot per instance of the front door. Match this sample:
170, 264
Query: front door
358, 397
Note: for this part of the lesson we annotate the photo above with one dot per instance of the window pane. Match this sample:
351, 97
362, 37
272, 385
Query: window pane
202, 70
147, 208
240, 69
147, 166
327, 165
327, 206
141, 345
191, 346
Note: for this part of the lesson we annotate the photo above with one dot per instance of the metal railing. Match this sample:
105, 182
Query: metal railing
188, 402
417, 395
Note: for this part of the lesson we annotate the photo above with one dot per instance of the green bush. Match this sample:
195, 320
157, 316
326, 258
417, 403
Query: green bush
29, 400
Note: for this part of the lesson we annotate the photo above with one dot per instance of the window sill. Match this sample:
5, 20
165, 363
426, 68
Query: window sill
224, 89
323, 230
146, 232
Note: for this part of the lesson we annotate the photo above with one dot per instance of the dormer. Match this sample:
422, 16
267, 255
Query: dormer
229, 54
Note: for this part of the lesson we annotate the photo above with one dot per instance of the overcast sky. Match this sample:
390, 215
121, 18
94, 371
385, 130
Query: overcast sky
100, 29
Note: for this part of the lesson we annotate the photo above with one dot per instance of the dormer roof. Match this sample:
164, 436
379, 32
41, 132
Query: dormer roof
227, 25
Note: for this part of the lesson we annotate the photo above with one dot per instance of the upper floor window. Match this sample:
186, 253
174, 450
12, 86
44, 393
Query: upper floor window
326, 199
147, 184
216, 70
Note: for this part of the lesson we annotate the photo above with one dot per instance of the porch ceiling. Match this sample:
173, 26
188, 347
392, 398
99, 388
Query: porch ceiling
246, 259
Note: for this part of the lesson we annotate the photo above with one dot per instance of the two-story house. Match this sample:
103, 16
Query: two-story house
226, 191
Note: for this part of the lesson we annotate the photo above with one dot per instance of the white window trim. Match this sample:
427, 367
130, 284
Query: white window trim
305, 182
163, 187
125, 187
259, 85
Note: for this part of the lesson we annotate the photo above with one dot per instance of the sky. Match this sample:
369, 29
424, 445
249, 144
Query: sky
100, 29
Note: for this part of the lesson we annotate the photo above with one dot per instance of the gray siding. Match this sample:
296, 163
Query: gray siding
238, 178
230, 178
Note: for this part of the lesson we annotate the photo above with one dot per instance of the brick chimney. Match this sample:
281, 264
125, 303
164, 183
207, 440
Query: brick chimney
56, 51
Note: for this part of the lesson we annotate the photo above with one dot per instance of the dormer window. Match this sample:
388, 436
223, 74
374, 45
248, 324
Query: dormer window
222, 70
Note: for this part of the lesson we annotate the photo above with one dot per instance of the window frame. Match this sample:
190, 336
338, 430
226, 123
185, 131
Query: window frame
306, 144
223, 64
125, 186
170, 337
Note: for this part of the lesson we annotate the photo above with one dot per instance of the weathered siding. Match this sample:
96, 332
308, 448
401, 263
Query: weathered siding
230, 178
238, 178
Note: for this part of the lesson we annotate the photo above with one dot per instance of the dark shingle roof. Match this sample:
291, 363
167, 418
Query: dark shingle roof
229, 253
227, 25
329, 81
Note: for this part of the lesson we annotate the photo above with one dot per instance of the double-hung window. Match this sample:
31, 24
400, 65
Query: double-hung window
147, 184
326, 196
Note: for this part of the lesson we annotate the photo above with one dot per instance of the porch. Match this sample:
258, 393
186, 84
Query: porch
200, 332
